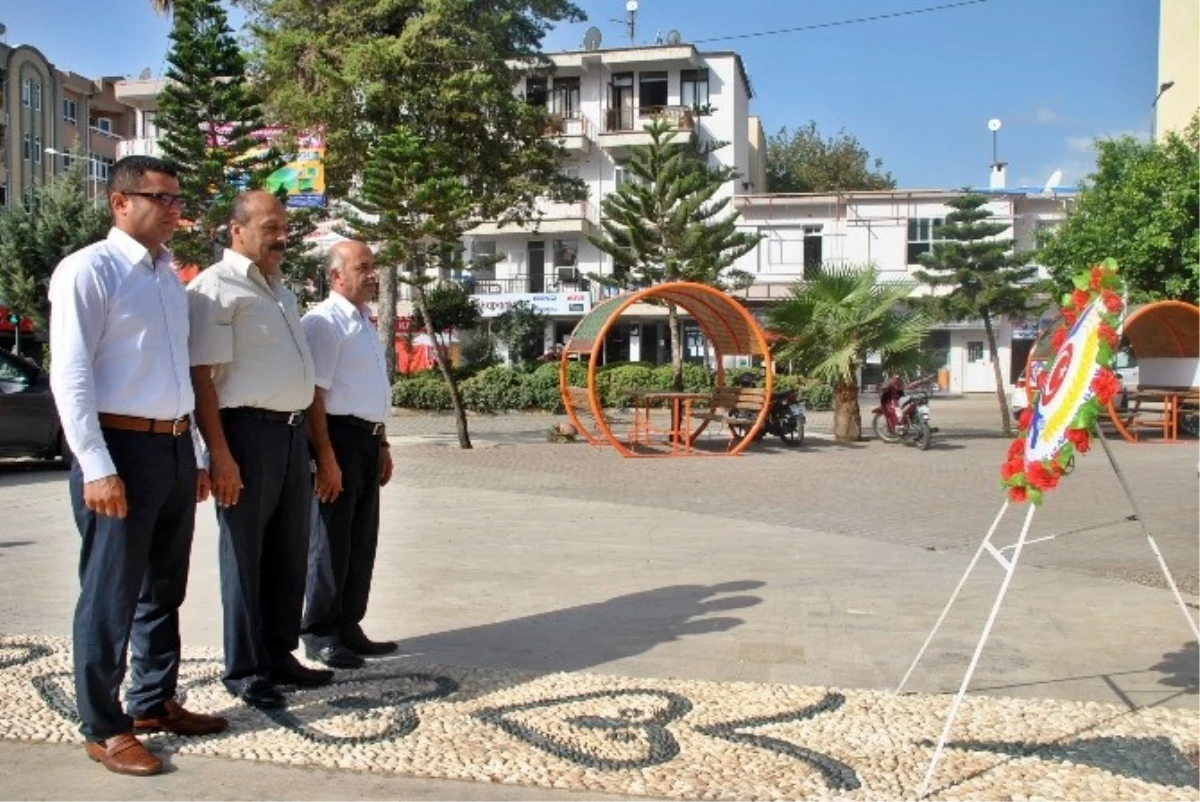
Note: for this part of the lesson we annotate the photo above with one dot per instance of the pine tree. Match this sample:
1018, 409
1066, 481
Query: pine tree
663, 225
61, 220
300, 260
984, 276
207, 116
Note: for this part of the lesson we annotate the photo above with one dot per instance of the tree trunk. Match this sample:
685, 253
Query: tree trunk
676, 348
387, 320
443, 360
1002, 396
847, 416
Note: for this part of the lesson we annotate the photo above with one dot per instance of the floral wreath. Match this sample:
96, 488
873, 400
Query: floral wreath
1030, 482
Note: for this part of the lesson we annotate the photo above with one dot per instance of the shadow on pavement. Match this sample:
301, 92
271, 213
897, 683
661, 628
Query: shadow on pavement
1182, 668
578, 638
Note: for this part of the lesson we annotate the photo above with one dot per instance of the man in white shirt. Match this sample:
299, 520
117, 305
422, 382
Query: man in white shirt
119, 372
347, 427
253, 376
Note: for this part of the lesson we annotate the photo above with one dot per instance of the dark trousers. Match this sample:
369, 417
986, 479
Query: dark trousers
341, 556
133, 577
263, 549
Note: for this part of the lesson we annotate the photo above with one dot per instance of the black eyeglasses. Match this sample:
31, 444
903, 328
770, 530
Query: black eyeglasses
163, 199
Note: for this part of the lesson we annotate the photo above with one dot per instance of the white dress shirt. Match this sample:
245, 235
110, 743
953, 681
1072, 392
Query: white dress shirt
246, 326
118, 343
348, 358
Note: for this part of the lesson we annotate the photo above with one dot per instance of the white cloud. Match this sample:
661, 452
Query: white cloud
1044, 115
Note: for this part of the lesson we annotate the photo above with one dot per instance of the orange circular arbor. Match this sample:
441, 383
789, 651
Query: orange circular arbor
729, 327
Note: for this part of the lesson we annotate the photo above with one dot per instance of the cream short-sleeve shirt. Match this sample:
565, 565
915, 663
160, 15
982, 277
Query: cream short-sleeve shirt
246, 326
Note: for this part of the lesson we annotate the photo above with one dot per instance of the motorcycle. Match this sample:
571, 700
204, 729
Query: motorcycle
912, 418
786, 417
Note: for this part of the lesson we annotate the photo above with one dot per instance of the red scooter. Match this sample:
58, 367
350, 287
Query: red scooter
911, 419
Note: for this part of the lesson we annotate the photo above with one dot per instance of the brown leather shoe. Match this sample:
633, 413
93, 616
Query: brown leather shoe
124, 754
181, 722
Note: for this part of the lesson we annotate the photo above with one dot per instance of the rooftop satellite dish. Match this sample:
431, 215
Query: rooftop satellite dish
144, 75
1053, 182
674, 37
994, 124
591, 39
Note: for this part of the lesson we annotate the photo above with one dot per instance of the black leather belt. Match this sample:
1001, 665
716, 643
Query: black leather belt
376, 429
254, 413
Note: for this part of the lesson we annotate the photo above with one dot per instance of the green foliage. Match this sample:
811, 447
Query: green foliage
32, 242
496, 389
304, 267
543, 384
803, 161
451, 307
424, 390
206, 114
1140, 207
477, 349
522, 329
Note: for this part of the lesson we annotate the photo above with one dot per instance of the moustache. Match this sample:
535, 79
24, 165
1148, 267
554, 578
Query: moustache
278, 247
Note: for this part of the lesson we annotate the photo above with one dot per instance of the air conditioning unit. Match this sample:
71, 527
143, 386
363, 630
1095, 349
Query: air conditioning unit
567, 274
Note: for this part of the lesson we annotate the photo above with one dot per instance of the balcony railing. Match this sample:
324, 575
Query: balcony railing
553, 210
140, 146
622, 120
570, 280
571, 124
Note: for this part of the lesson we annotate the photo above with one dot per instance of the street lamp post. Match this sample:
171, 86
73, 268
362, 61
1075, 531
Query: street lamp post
1163, 87
93, 172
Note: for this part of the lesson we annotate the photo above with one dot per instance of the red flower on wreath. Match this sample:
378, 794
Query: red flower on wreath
1040, 478
1069, 316
1080, 299
1096, 278
1080, 439
1017, 449
1026, 419
1058, 338
1109, 334
1112, 301
1017, 494
1105, 385
1011, 468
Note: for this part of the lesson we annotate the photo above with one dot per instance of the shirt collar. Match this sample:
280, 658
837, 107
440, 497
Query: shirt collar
136, 252
244, 266
346, 305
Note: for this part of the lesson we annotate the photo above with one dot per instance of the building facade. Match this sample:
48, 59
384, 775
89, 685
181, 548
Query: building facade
1178, 64
46, 116
890, 230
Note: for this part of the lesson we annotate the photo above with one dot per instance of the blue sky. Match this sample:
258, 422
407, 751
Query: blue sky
917, 91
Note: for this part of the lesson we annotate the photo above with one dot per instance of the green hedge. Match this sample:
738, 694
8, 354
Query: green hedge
499, 388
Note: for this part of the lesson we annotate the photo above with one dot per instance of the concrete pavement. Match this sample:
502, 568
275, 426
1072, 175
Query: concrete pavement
819, 567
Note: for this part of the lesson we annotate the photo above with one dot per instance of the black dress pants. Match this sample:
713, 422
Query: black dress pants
133, 577
264, 546
344, 538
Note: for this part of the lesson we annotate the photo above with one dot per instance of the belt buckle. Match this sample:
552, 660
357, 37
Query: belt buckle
377, 430
294, 418
179, 426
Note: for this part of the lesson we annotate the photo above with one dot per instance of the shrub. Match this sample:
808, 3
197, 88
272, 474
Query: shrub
477, 349
423, 390
818, 397
497, 389
543, 384
614, 381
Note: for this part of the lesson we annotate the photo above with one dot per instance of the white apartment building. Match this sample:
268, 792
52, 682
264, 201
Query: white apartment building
890, 229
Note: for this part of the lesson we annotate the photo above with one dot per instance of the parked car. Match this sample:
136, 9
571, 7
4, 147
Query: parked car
29, 425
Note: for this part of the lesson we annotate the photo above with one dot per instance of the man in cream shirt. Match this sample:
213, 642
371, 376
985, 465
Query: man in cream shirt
254, 379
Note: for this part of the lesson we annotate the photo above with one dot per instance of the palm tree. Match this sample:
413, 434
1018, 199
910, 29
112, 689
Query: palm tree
161, 7
834, 319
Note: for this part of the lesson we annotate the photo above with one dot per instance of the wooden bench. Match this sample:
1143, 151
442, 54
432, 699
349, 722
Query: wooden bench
1157, 408
583, 409
726, 399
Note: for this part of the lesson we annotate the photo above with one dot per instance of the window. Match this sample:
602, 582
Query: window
652, 92
150, 124
566, 252
3, 195
565, 99
66, 161
483, 259
813, 255
975, 351
693, 88
26, 91
98, 167
27, 199
37, 150
27, 147
923, 232
535, 91
11, 373
69, 109
103, 124
626, 176
36, 95
620, 103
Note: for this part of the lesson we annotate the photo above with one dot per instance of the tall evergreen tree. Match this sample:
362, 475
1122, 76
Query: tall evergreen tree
206, 115
663, 225
982, 274
61, 219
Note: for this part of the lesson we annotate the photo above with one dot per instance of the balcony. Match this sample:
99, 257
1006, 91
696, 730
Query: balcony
574, 131
625, 127
140, 146
551, 217
555, 280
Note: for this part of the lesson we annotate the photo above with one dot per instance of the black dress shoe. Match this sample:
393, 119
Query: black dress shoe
261, 694
359, 643
334, 655
291, 672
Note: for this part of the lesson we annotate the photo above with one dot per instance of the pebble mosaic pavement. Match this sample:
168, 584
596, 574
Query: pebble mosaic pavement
659, 738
